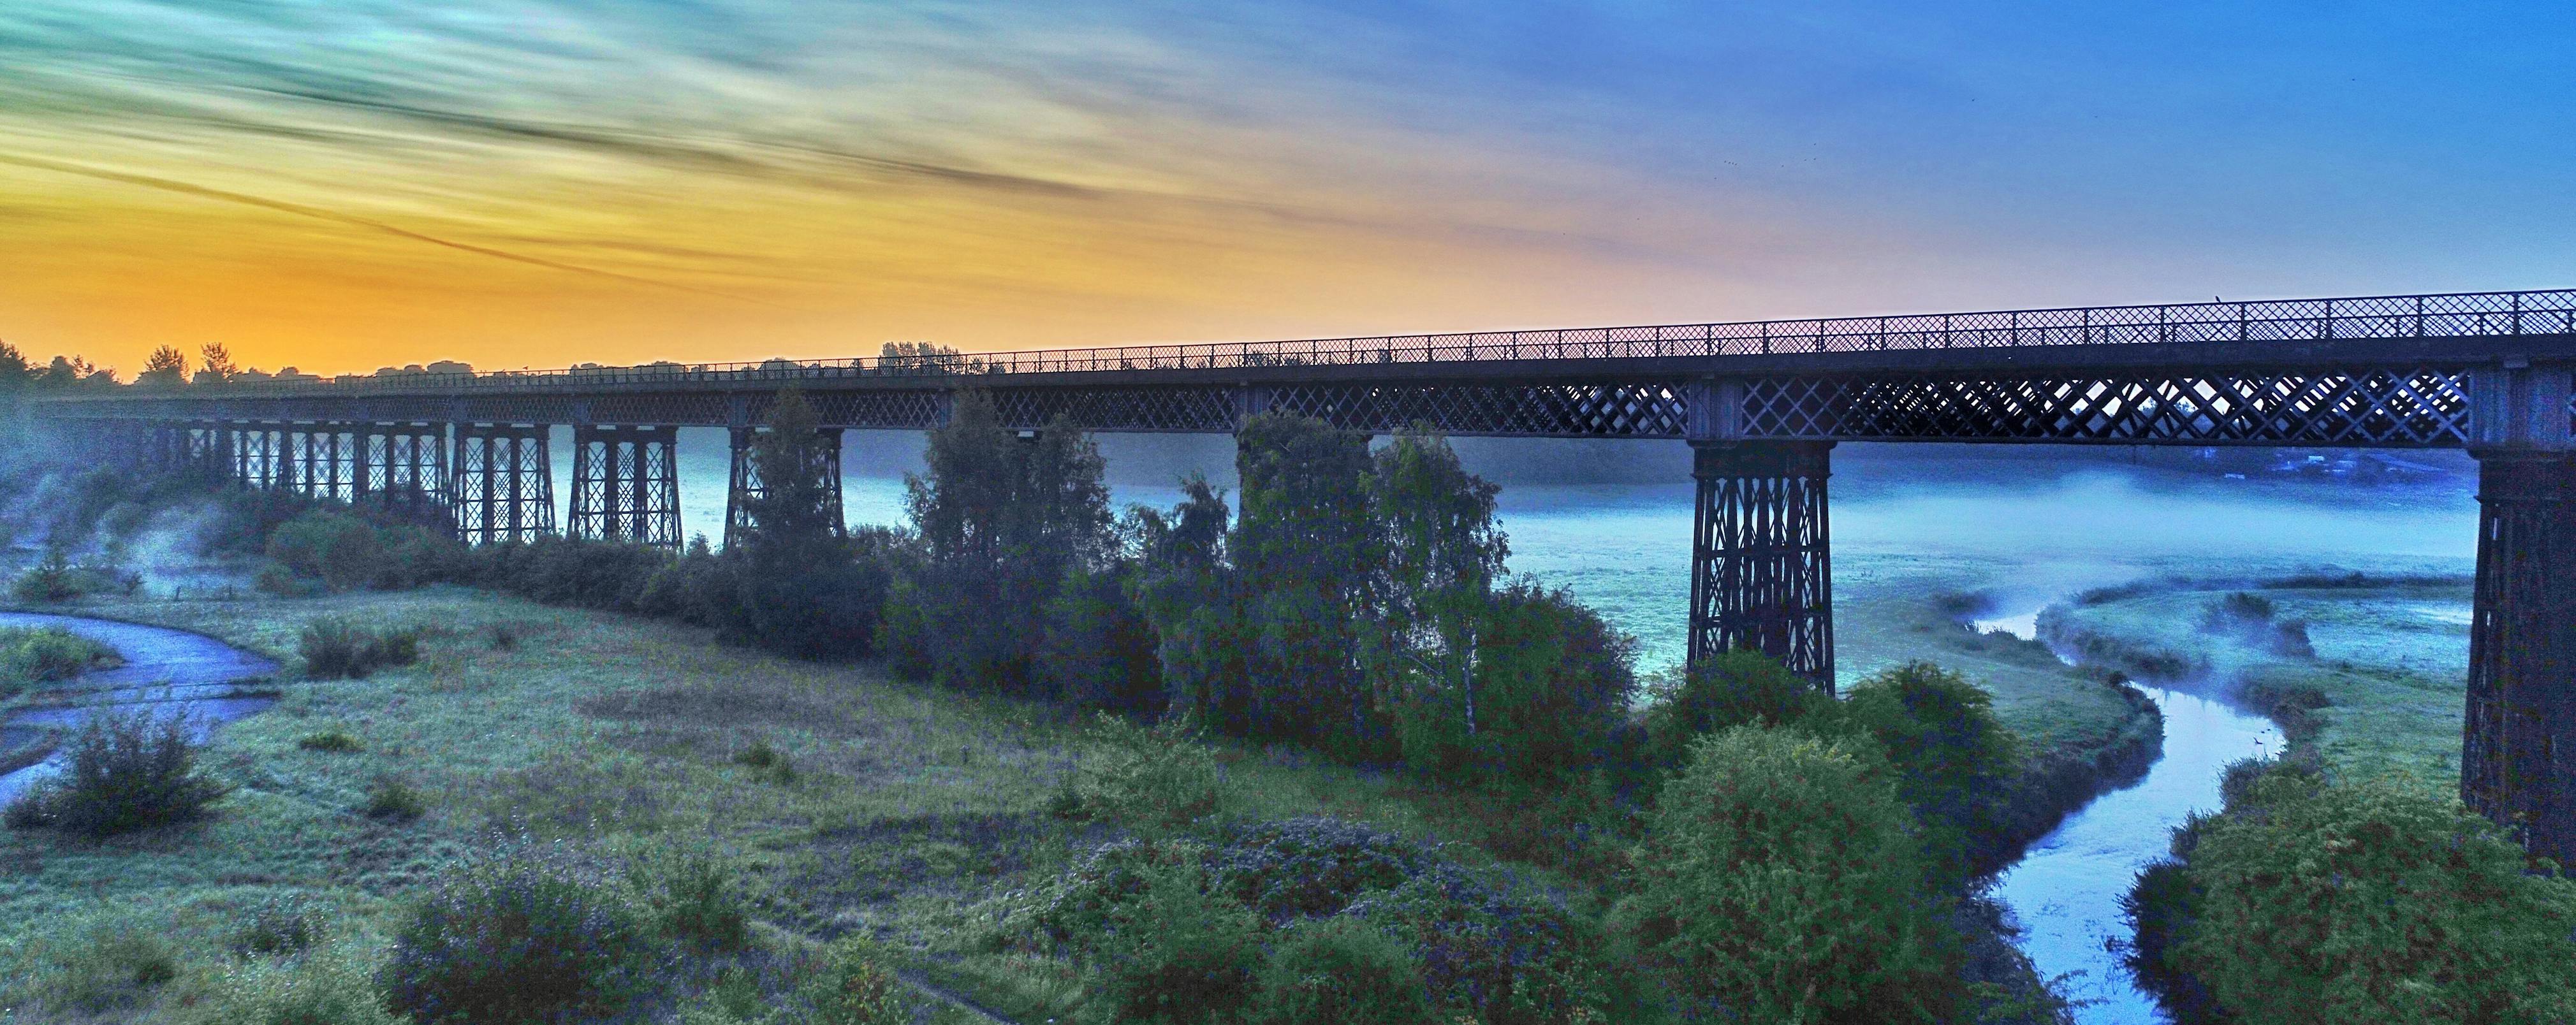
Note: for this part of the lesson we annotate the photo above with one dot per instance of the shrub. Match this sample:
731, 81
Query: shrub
1312, 866
50, 581
336, 649
101, 964
852, 989
1144, 777
287, 924
771, 763
1342, 971
334, 546
329, 742
1728, 689
1553, 684
695, 899
524, 935
46, 655
1503, 958
1175, 953
2371, 900
1780, 881
1955, 762
125, 770
391, 799
322, 988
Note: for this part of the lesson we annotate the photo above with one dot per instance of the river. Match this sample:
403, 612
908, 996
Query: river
172, 671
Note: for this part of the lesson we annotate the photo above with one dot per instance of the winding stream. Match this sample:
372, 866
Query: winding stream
173, 671
2065, 892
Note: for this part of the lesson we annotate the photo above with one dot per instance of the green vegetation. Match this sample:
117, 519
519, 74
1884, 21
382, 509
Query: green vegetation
125, 770
336, 649
47, 654
2366, 672
2315, 900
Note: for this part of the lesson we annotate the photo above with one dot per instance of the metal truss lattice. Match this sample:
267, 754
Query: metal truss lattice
2384, 407
1602, 410
625, 485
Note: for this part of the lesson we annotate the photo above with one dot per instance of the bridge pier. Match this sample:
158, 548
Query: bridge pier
260, 454
745, 484
2518, 743
626, 484
503, 484
1761, 554
404, 466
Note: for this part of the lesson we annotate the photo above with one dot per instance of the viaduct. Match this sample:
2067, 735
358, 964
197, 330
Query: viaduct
1762, 405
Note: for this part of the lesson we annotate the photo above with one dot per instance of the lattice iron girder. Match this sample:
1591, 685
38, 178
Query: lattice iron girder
893, 409
1207, 410
1761, 555
2408, 407
1651, 409
626, 484
404, 465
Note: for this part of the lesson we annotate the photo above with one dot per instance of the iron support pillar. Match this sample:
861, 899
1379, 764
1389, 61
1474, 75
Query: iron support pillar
322, 461
2518, 740
745, 485
503, 485
404, 467
626, 485
1761, 554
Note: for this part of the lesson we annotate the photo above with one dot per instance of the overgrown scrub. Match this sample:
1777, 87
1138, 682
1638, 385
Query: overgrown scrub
2312, 900
324, 987
1481, 950
1726, 690
125, 770
527, 934
1173, 953
287, 924
332, 741
97, 965
46, 654
391, 799
337, 649
1342, 970
58, 579
1135, 776
1780, 881
345, 550
696, 899
1954, 762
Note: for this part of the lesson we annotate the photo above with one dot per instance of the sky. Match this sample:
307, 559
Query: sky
352, 184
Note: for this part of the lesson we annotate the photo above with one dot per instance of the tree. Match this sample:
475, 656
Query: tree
167, 367
1002, 520
1441, 552
1781, 883
1188, 595
1306, 553
2373, 900
1554, 681
1955, 762
15, 373
804, 591
215, 365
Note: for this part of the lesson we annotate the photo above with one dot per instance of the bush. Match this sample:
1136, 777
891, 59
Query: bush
1175, 953
1503, 958
1313, 866
47, 582
1728, 689
1955, 762
392, 800
288, 924
2374, 900
1334, 971
767, 763
125, 770
334, 546
1780, 881
328, 742
695, 899
101, 964
1553, 682
1139, 777
853, 989
335, 649
46, 654
322, 988
525, 935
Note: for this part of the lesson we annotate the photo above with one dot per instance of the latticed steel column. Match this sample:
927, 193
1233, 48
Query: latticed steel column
2518, 742
329, 461
405, 466
626, 484
746, 487
503, 484
1761, 554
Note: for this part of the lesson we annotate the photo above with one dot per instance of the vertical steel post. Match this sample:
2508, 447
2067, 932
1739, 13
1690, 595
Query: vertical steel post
1761, 554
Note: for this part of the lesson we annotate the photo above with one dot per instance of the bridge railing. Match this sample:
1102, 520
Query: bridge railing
2374, 317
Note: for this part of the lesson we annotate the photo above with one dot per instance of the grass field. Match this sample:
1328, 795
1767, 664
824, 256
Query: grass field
910, 811
2390, 662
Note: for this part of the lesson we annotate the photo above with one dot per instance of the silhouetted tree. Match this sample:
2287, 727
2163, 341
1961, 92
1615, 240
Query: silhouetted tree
215, 364
1305, 550
166, 367
1441, 552
804, 591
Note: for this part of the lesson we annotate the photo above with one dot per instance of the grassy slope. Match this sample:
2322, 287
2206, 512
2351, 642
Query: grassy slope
911, 805
2391, 660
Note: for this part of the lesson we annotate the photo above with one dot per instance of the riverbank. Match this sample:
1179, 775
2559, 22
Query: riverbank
909, 813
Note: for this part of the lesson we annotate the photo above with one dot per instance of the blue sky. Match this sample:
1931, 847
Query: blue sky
515, 182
